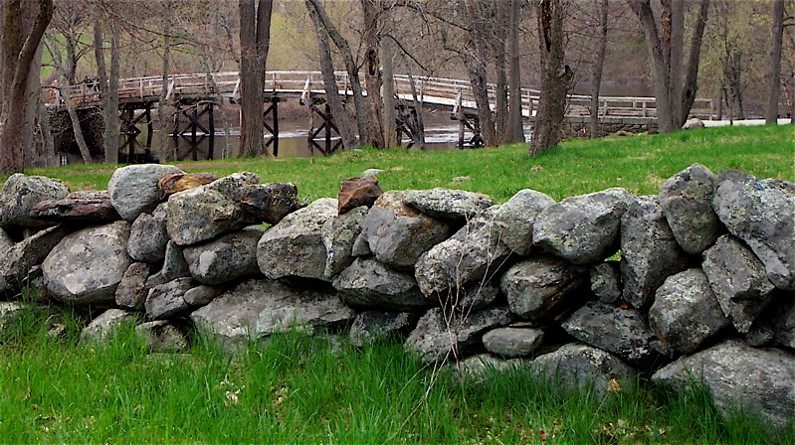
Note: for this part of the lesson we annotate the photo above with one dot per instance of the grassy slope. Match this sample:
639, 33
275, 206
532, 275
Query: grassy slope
639, 163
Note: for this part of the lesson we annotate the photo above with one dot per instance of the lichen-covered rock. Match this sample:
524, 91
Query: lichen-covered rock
270, 202
436, 339
174, 264
480, 366
606, 281
201, 295
623, 332
87, 266
649, 251
6, 243
370, 326
686, 201
16, 262
759, 212
179, 182
474, 254
162, 336
759, 381
513, 221
739, 282
357, 192
148, 236
77, 208
538, 288
258, 308
513, 341
476, 296
131, 291
166, 300
205, 212
582, 366
339, 235
685, 311
133, 189
455, 205
582, 229
21, 193
398, 234
225, 259
294, 247
360, 248
368, 283
102, 327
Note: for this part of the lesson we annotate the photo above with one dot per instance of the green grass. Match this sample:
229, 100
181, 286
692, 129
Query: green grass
298, 389
638, 163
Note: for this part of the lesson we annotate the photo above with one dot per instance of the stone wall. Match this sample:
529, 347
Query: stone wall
581, 126
705, 284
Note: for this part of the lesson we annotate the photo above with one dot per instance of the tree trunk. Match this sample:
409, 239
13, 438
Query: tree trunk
418, 135
556, 76
689, 87
774, 62
254, 44
85, 153
163, 121
372, 75
515, 129
476, 68
111, 100
500, 32
46, 136
733, 75
388, 62
677, 13
598, 65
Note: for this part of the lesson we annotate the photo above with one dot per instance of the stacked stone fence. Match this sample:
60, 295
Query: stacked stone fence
704, 287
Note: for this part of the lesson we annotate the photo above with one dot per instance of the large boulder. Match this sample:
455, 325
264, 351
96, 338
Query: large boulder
606, 281
339, 235
759, 212
270, 202
398, 234
437, 339
369, 284
512, 341
227, 258
759, 381
294, 246
148, 235
584, 367
258, 308
205, 212
649, 251
357, 192
539, 288
513, 221
167, 300
685, 312
21, 193
77, 208
454, 205
87, 266
582, 229
686, 202
131, 291
623, 332
739, 282
474, 254
369, 326
133, 189
16, 262
106, 324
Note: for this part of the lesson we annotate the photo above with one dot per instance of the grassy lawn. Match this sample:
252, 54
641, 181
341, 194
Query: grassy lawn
638, 163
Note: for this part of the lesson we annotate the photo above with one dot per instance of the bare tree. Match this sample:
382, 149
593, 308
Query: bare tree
255, 30
372, 75
388, 62
774, 62
598, 63
515, 129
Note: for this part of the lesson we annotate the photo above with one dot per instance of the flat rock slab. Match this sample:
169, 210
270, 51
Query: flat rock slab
133, 189
167, 300
581, 366
514, 220
21, 193
179, 182
371, 326
686, 202
455, 205
225, 259
356, 192
102, 327
539, 288
370, 284
513, 342
79, 208
270, 202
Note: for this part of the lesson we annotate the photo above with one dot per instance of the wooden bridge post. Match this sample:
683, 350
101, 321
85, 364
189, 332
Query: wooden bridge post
273, 127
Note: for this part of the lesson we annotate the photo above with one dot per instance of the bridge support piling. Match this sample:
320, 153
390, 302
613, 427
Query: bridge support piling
273, 127
194, 132
327, 125
468, 121
129, 131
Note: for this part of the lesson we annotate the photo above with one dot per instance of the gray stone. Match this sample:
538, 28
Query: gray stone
339, 235
360, 247
258, 308
583, 367
133, 189
482, 366
685, 311
225, 259
623, 332
437, 340
582, 229
270, 202
174, 264
649, 251
693, 123
398, 234
477, 296
87, 266
739, 282
473, 255
102, 327
606, 281
514, 219
166, 300
513, 342
538, 288
370, 326
686, 202
760, 214
162, 336
294, 247
784, 325
131, 291
760, 381
454, 205
6, 243
77, 208
10, 312
201, 295
368, 283
16, 262
205, 212
21, 193
370, 172
148, 236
